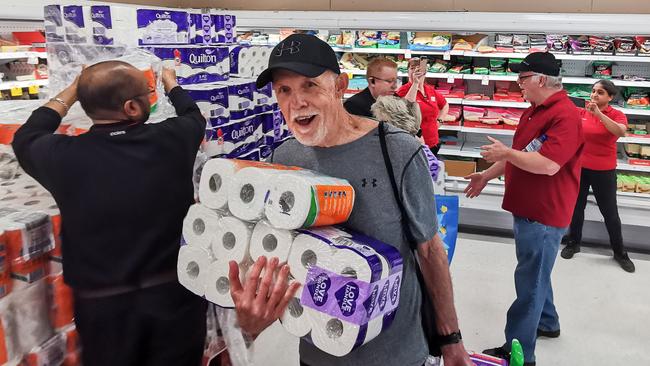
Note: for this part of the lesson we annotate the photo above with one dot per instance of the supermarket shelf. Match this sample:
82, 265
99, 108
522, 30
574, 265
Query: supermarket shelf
633, 194
17, 55
634, 140
391, 51
443, 127
459, 152
496, 103
487, 131
22, 84
590, 81
636, 112
490, 77
633, 168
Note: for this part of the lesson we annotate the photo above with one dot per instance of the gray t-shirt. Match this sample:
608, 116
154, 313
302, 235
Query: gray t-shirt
376, 214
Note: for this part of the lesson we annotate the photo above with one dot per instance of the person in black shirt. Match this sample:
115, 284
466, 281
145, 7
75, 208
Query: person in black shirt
123, 189
382, 80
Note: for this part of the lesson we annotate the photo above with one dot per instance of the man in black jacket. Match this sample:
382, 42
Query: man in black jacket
123, 189
382, 80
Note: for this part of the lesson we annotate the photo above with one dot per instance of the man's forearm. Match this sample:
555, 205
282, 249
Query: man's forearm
496, 170
435, 270
532, 162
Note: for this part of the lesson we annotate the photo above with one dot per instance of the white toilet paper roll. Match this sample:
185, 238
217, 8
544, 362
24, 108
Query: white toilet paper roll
335, 336
306, 252
192, 267
217, 283
348, 263
232, 239
247, 194
200, 225
297, 319
305, 198
270, 242
215, 179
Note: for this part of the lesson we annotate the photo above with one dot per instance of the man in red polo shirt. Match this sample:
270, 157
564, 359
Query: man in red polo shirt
542, 171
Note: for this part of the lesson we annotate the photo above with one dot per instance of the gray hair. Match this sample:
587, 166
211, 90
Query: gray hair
398, 112
552, 82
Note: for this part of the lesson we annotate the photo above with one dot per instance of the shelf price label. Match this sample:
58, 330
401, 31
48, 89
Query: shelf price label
16, 91
485, 80
407, 53
450, 79
33, 89
446, 56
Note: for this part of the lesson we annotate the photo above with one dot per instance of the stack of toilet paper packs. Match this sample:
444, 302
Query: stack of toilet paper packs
350, 282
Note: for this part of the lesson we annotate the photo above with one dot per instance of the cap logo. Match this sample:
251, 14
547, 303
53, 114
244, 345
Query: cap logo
291, 49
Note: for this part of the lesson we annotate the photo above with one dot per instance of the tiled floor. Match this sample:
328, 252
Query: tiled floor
604, 311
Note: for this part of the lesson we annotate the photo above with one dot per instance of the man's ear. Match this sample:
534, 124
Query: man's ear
341, 84
131, 108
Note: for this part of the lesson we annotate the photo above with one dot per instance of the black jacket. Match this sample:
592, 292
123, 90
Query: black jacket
360, 103
123, 190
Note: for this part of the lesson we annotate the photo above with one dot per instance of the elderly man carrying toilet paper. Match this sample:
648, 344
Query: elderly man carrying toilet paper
309, 87
123, 189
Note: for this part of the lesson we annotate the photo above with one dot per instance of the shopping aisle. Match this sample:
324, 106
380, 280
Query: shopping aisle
602, 308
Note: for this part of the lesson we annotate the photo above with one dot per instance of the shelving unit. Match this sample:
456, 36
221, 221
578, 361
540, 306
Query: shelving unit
5, 85
18, 55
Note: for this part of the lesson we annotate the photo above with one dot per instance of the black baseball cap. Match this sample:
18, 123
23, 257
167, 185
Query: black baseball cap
539, 62
304, 54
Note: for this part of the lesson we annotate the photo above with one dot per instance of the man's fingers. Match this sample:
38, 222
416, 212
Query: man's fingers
289, 294
493, 139
267, 279
233, 277
253, 277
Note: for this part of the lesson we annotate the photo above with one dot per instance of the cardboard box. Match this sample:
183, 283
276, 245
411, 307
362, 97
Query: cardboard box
621, 6
458, 168
482, 164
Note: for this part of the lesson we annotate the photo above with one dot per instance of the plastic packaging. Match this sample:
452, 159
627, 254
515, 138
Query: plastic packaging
240, 347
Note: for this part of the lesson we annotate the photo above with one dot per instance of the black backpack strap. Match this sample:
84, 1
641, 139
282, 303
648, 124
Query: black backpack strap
393, 182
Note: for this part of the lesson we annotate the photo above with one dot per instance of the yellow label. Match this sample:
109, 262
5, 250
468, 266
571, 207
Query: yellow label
16, 91
33, 89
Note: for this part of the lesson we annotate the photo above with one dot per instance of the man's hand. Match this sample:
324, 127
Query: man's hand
496, 151
67, 95
455, 355
169, 79
257, 308
477, 181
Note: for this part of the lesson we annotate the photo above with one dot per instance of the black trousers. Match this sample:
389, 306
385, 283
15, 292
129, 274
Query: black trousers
603, 184
160, 325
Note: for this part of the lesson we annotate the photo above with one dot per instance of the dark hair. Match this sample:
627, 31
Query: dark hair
609, 87
105, 86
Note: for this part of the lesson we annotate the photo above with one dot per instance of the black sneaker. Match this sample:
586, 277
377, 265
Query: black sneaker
497, 352
569, 250
625, 263
548, 333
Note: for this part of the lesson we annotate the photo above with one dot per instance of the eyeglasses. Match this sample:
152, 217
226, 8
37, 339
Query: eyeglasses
521, 78
389, 81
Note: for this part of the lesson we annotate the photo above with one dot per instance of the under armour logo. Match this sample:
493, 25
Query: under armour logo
364, 182
292, 48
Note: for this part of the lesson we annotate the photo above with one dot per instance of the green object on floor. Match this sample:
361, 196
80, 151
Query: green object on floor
516, 354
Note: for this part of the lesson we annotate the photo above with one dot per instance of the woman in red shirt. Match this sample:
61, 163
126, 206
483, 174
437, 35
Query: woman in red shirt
602, 125
432, 104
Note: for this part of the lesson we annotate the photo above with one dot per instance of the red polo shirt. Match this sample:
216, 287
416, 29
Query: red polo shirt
600, 144
431, 102
547, 199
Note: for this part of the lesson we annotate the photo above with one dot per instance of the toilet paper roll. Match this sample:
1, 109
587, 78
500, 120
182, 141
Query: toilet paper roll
304, 199
217, 283
270, 242
231, 240
306, 252
215, 179
200, 225
348, 263
297, 319
334, 336
192, 268
248, 192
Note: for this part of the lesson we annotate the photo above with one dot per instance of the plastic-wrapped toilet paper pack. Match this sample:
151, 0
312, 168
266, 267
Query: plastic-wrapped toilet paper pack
217, 282
76, 23
265, 100
31, 315
192, 268
305, 198
113, 25
270, 242
212, 100
248, 61
225, 28
54, 30
217, 176
297, 319
202, 28
162, 26
28, 234
235, 138
271, 127
200, 225
240, 98
248, 192
306, 252
254, 154
194, 64
335, 336
231, 240
9, 347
